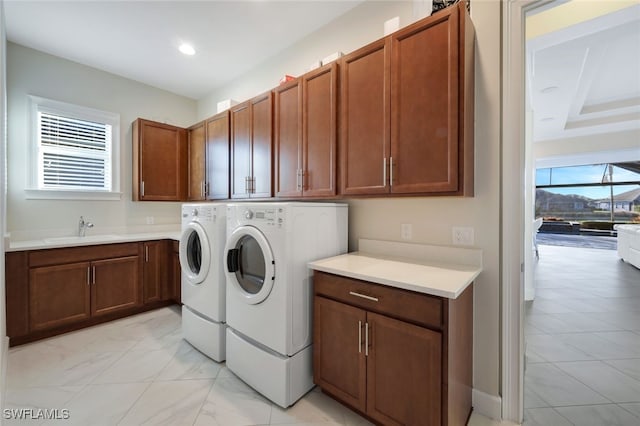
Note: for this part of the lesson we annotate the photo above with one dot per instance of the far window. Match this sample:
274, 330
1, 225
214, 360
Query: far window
74, 148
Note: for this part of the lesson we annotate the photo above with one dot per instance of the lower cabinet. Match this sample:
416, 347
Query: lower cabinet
59, 295
390, 353
57, 290
154, 271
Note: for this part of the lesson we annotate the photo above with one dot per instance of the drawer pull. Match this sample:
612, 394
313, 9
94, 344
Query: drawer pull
364, 296
359, 337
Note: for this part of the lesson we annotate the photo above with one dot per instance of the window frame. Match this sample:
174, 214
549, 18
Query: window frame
39, 104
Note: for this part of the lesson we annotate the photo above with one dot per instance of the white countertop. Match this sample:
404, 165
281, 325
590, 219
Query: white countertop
89, 240
435, 277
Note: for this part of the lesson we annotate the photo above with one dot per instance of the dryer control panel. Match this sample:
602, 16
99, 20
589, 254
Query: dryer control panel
266, 216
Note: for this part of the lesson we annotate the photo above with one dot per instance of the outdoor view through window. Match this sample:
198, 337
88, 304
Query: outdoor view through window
597, 196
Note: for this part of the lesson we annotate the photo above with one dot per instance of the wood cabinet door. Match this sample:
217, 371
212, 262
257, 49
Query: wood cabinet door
319, 89
59, 295
261, 146
364, 119
240, 150
162, 162
153, 271
116, 285
339, 362
197, 162
404, 373
287, 139
217, 170
424, 105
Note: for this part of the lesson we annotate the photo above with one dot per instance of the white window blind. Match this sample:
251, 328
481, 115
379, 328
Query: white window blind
73, 154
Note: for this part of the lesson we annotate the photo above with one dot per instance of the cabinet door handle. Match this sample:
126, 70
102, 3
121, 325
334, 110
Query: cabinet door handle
366, 339
359, 337
88, 275
302, 187
384, 171
202, 189
253, 185
246, 184
146, 253
390, 171
94, 274
142, 188
364, 296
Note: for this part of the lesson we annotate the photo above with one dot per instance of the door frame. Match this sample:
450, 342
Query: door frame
512, 204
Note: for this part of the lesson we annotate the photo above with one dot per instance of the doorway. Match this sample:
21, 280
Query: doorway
517, 157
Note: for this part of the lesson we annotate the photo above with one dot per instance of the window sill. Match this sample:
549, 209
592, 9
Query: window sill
47, 194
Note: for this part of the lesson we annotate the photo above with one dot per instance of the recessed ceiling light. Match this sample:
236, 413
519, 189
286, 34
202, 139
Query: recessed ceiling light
547, 119
187, 49
549, 89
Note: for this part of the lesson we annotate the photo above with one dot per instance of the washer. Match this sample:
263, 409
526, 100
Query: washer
269, 290
203, 281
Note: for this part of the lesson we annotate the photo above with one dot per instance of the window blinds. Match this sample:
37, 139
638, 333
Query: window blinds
73, 153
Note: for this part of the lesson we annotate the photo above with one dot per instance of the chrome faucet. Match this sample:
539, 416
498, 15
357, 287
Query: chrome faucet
82, 226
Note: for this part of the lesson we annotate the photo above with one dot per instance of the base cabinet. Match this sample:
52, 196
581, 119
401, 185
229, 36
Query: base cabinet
54, 291
115, 285
59, 295
398, 357
176, 275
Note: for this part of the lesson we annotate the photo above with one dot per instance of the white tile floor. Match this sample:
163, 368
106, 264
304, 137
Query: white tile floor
138, 370
583, 340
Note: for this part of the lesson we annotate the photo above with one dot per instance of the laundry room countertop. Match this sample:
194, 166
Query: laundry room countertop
89, 240
437, 276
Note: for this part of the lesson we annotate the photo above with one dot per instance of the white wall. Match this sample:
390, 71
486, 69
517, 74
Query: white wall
30, 72
432, 218
4, 341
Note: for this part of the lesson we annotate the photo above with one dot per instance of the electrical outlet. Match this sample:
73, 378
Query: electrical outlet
150, 220
405, 231
462, 236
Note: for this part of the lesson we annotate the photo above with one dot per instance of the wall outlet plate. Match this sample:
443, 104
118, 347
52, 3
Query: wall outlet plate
405, 231
462, 236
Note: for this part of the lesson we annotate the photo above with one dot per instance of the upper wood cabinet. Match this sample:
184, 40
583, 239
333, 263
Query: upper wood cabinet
197, 164
217, 156
251, 148
159, 161
305, 135
407, 110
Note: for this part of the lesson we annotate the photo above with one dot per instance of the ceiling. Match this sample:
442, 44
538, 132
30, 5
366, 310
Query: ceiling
139, 39
584, 78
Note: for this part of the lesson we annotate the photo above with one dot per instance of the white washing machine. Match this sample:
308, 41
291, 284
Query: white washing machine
204, 228
269, 290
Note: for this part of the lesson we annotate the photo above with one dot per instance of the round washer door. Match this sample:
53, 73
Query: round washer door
195, 253
250, 267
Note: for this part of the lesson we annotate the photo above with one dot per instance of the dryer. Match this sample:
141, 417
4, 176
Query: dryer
269, 290
203, 281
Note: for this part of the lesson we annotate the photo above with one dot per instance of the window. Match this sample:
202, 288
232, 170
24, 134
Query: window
75, 151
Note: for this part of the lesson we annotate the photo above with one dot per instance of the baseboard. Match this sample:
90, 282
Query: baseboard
487, 405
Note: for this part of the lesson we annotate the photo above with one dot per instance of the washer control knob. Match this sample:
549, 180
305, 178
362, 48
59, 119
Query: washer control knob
248, 214
194, 212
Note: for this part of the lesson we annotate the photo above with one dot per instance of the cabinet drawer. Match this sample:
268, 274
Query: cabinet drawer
81, 254
402, 304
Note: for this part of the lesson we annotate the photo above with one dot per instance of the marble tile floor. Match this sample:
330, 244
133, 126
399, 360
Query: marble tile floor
582, 338
139, 371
